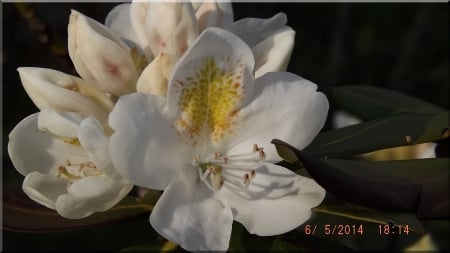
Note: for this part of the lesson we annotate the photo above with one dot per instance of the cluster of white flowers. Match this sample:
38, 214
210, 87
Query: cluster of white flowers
174, 97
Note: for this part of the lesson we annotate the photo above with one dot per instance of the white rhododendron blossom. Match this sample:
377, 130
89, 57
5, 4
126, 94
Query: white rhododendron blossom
65, 160
163, 31
207, 145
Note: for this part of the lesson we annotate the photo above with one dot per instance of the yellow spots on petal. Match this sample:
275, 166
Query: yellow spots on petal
210, 99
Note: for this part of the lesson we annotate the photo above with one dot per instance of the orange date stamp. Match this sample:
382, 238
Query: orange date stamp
335, 229
355, 229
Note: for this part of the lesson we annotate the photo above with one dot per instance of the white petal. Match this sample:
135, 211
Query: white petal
44, 188
145, 148
255, 30
53, 89
94, 140
64, 125
171, 27
33, 150
273, 53
119, 21
187, 215
100, 56
276, 201
285, 106
209, 85
154, 78
89, 195
214, 14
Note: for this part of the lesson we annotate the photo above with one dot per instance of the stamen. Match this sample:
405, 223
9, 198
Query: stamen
255, 147
216, 155
62, 170
225, 159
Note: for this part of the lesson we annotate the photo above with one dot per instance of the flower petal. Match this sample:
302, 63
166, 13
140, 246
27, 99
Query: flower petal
171, 27
276, 201
209, 85
33, 150
154, 78
145, 148
53, 89
187, 215
214, 14
119, 21
273, 53
44, 188
63, 125
284, 106
255, 30
89, 195
94, 140
100, 56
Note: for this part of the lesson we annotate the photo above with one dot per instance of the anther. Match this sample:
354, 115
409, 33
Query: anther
255, 148
91, 165
262, 155
196, 160
252, 174
62, 170
246, 179
225, 159
216, 155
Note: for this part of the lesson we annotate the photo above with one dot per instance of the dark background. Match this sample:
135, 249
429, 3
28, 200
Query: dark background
400, 46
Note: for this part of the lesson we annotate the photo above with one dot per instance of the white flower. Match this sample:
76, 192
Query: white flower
66, 163
170, 29
207, 145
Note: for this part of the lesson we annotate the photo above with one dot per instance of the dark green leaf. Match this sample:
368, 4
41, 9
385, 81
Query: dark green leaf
359, 214
358, 227
419, 186
370, 102
23, 215
395, 131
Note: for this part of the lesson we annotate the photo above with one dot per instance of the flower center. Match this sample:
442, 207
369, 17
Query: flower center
212, 168
210, 99
76, 171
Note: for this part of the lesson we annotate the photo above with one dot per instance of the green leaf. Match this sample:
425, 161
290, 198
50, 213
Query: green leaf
356, 214
358, 227
368, 102
394, 131
23, 215
419, 186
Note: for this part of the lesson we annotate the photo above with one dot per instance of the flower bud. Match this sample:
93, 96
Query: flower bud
177, 31
49, 88
100, 56
214, 14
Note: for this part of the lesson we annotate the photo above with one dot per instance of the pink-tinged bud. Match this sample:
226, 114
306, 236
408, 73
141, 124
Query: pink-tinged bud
171, 27
100, 56
214, 14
